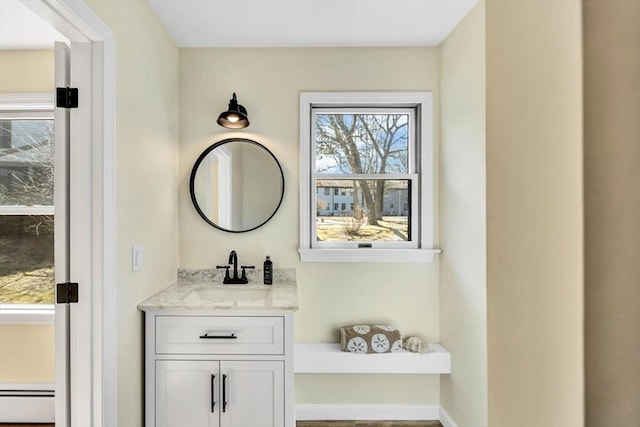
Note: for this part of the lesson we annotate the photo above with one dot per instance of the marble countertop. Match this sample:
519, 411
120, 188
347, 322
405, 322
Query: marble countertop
203, 290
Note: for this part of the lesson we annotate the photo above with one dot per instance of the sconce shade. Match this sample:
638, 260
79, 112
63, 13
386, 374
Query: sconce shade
235, 117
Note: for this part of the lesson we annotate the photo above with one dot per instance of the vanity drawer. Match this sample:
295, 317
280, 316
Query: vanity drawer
219, 335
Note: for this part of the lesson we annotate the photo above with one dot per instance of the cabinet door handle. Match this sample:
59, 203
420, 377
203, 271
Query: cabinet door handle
213, 397
224, 393
206, 336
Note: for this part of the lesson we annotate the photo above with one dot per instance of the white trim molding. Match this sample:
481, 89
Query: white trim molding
26, 101
333, 412
445, 419
27, 314
79, 23
368, 255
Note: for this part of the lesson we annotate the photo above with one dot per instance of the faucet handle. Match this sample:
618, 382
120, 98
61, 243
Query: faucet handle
226, 267
244, 273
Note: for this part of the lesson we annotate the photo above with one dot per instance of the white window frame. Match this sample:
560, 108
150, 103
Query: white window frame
411, 175
422, 102
27, 106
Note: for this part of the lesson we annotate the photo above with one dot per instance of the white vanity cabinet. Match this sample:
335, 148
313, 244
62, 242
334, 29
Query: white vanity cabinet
219, 368
221, 393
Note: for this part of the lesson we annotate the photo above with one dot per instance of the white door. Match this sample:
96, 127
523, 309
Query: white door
61, 236
254, 393
73, 234
188, 393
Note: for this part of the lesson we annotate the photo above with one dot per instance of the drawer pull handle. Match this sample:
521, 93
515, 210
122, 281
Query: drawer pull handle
206, 336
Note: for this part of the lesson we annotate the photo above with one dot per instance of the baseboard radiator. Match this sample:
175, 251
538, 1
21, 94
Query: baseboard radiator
27, 403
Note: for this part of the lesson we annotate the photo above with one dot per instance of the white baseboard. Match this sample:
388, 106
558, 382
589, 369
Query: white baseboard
445, 419
332, 412
27, 403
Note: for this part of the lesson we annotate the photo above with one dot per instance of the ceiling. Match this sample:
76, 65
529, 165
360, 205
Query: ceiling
309, 23
270, 23
20, 28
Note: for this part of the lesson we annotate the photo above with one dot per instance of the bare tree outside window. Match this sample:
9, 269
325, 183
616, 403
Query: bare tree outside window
367, 156
363, 144
26, 235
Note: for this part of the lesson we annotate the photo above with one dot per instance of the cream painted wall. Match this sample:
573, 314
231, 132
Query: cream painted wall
612, 205
32, 359
27, 353
535, 213
268, 83
26, 71
146, 180
463, 219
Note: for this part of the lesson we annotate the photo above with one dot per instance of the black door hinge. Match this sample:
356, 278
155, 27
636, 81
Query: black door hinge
66, 293
67, 97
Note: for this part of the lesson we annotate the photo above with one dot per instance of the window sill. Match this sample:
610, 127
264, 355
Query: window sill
368, 255
27, 314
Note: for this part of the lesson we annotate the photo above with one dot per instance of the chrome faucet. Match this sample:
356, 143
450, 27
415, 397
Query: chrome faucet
235, 280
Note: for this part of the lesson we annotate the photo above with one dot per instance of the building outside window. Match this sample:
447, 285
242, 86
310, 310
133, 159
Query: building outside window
26, 206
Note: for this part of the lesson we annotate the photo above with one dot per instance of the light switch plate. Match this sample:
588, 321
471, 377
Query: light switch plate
136, 258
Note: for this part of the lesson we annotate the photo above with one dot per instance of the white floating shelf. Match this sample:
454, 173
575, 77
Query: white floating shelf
329, 359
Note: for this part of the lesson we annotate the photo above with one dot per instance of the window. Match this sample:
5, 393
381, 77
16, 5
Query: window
26, 201
378, 149
327, 191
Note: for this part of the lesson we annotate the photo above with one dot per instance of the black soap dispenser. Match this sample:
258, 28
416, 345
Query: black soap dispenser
268, 271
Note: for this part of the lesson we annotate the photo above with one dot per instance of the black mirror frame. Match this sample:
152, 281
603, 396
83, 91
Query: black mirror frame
195, 169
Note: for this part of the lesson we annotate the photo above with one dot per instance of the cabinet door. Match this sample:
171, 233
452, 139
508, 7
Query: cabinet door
187, 394
254, 393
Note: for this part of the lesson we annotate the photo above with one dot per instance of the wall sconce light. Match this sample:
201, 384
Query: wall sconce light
235, 117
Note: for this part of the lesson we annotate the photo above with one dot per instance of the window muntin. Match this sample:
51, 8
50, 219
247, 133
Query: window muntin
377, 148
26, 207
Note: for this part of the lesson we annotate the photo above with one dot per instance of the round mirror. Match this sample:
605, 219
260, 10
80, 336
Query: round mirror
237, 185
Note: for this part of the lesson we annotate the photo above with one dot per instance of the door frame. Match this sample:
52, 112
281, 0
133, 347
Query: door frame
97, 353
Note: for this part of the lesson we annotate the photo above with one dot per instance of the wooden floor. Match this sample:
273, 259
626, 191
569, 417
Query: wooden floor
368, 424
315, 424
27, 425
